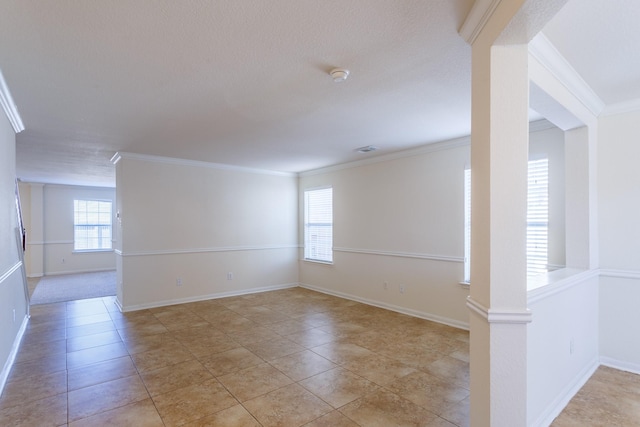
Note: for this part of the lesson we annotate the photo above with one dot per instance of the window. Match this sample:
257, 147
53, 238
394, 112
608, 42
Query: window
537, 219
318, 225
91, 225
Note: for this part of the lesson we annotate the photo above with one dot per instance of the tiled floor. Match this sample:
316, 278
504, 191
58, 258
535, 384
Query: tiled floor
285, 358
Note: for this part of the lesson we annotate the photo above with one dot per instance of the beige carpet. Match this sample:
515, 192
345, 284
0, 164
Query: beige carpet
71, 287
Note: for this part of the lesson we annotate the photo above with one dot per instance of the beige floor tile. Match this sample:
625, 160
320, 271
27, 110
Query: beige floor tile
30, 389
102, 397
274, 348
311, 337
88, 320
338, 386
458, 413
109, 370
450, 369
341, 352
432, 393
138, 414
304, 364
139, 343
379, 369
175, 321
38, 367
254, 335
287, 327
205, 346
231, 361
332, 419
191, 403
176, 376
93, 355
51, 411
254, 381
35, 350
95, 340
236, 416
289, 406
383, 409
160, 358
90, 329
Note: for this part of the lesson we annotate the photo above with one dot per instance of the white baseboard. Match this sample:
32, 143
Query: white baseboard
403, 310
634, 368
204, 297
561, 401
12, 354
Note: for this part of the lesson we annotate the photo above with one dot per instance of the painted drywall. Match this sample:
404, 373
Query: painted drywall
49, 222
619, 233
562, 344
185, 226
13, 306
400, 222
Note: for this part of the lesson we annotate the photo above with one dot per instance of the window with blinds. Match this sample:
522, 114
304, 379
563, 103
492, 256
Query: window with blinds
318, 224
537, 219
92, 225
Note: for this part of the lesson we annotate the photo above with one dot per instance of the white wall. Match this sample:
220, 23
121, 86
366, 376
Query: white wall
13, 306
48, 212
401, 221
199, 222
619, 230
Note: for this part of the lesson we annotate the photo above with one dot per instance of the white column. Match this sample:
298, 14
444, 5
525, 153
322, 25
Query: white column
499, 152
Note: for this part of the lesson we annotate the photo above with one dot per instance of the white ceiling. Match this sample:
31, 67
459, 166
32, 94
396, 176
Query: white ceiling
246, 83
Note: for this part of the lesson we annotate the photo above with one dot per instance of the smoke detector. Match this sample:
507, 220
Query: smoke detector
367, 149
339, 74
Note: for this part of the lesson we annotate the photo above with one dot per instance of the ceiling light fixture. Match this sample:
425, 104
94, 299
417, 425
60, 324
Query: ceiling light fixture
367, 149
339, 74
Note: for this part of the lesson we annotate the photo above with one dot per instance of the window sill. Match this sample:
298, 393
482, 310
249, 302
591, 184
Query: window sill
315, 261
90, 251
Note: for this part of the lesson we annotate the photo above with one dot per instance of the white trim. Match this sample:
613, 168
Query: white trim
4, 375
574, 277
477, 18
9, 107
444, 258
464, 141
203, 250
205, 297
409, 312
194, 163
428, 148
10, 271
634, 368
620, 274
564, 397
549, 57
630, 106
499, 316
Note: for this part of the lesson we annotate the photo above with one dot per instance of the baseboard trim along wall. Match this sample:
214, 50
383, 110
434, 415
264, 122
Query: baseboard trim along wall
218, 295
409, 312
634, 368
563, 399
4, 375
61, 273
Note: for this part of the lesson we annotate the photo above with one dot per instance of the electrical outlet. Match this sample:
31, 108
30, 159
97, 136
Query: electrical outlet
571, 346
401, 287
385, 285
229, 276
179, 281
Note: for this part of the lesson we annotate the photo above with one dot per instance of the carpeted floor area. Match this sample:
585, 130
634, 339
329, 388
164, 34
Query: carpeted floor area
71, 287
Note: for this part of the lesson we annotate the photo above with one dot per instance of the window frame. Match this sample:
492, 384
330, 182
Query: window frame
308, 247
100, 239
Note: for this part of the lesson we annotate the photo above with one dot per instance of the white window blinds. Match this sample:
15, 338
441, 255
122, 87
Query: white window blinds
538, 217
92, 225
318, 224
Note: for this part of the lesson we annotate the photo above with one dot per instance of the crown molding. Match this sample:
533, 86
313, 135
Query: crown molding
499, 316
9, 107
550, 58
622, 107
477, 18
194, 163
